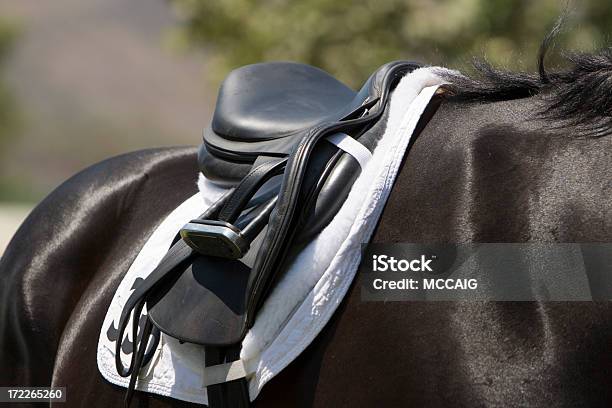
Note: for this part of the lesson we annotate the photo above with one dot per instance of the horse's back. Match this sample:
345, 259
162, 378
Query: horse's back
63, 265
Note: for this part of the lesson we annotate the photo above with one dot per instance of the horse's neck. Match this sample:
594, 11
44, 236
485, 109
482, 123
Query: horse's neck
496, 173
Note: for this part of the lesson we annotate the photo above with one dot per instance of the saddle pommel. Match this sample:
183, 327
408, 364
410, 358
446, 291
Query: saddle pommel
215, 238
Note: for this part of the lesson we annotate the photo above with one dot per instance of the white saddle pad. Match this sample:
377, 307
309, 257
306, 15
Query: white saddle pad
310, 290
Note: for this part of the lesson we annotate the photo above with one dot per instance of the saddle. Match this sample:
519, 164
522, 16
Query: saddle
289, 140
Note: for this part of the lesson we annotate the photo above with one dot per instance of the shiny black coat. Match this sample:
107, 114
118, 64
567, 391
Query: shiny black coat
487, 172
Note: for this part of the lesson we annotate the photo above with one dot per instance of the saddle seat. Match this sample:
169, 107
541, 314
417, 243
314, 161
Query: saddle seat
263, 108
267, 101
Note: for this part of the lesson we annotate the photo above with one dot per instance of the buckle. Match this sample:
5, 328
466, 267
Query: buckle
215, 238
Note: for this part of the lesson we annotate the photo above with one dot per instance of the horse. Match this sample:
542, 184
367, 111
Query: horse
502, 157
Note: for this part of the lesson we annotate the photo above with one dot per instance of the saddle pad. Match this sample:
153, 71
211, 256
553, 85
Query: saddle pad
310, 290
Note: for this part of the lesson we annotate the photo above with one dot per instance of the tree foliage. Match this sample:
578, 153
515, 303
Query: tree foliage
8, 109
350, 39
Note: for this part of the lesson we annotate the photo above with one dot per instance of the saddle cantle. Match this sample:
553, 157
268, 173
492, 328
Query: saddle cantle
272, 138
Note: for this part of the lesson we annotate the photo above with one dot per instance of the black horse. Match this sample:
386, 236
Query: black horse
506, 157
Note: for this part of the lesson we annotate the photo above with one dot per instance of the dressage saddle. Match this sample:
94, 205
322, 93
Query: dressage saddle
278, 141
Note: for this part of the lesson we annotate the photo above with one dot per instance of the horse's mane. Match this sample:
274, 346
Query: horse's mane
579, 96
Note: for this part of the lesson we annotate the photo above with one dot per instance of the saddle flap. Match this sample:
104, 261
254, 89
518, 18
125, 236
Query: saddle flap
206, 304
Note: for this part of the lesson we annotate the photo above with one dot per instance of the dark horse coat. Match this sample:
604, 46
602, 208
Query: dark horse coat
512, 158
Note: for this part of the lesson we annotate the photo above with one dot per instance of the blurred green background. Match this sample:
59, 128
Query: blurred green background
82, 81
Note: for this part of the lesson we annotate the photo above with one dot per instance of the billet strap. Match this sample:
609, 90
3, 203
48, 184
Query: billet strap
352, 147
234, 370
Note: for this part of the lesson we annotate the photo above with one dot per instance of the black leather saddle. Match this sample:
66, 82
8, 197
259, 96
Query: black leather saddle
263, 108
267, 143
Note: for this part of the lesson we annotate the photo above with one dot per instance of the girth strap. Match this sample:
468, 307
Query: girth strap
230, 394
233, 370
